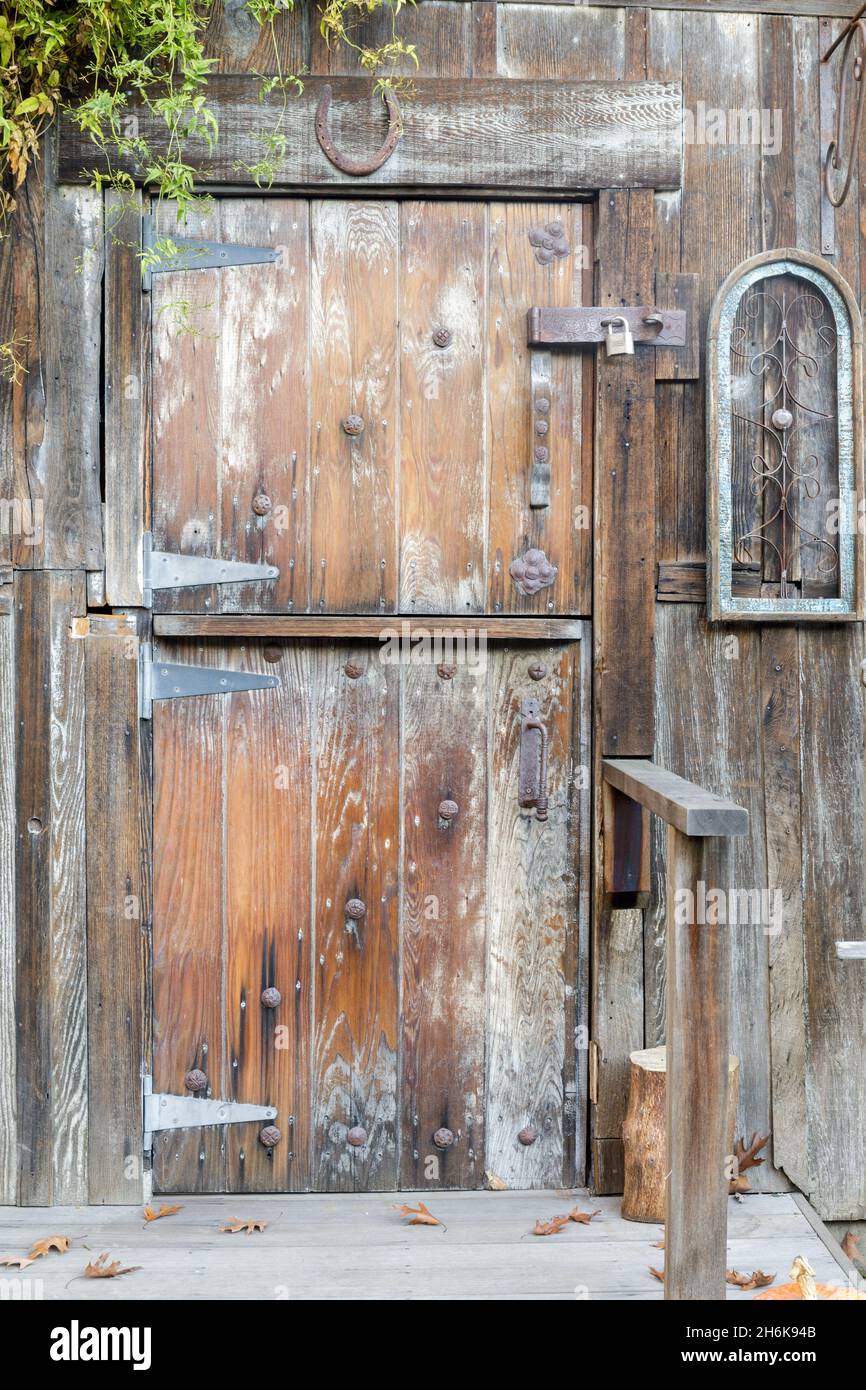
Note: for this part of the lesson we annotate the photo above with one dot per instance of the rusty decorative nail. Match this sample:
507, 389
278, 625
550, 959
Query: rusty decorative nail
443, 1138
357, 1136
541, 427
442, 337
356, 909
541, 453
527, 1136
447, 670
195, 1080
272, 654
353, 424
269, 1136
271, 997
542, 405
262, 504
537, 671
353, 670
448, 810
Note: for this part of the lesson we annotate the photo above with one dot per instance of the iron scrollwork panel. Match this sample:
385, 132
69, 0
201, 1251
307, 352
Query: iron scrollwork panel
784, 495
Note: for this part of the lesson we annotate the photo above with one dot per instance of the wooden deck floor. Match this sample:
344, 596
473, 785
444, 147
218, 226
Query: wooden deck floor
358, 1247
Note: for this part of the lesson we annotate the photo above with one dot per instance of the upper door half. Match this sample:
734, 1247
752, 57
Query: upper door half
365, 413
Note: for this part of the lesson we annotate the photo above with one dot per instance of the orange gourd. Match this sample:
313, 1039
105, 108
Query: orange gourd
804, 1286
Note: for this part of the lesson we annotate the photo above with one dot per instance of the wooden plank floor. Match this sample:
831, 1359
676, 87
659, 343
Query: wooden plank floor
356, 1246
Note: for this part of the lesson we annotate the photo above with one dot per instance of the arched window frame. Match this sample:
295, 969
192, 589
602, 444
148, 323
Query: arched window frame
722, 604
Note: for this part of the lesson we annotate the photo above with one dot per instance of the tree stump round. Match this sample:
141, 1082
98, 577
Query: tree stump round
643, 1134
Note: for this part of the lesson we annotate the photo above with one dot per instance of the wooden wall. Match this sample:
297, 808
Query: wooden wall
776, 722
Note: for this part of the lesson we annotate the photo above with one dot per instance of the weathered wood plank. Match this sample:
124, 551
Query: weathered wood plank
188, 927
354, 372
115, 932
692, 809
532, 916
624, 565
8, 926
33, 884
127, 382
398, 630
357, 834
444, 910
831, 772
517, 279
698, 1005
567, 136
443, 285
678, 292
267, 897
68, 925
780, 666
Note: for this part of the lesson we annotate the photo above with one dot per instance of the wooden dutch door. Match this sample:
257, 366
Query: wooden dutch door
371, 516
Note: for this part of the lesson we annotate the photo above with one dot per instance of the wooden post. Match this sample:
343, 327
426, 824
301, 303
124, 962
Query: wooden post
698, 1000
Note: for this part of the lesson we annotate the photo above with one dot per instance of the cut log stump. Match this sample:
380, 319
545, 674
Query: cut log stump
643, 1133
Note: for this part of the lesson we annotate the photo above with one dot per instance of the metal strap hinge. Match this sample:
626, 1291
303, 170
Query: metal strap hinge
163, 1111
166, 680
190, 253
161, 569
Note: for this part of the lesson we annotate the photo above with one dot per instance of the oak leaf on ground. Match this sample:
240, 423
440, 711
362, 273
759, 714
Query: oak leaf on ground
17, 1261
420, 1215
851, 1247
98, 1269
551, 1227
657, 1274
42, 1247
756, 1280
583, 1218
151, 1215
236, 1225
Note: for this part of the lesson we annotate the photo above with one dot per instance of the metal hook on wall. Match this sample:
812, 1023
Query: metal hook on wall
836, 157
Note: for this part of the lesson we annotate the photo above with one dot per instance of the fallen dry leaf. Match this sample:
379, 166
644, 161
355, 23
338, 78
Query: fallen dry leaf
42, 1247
17, 1261
551, 1227
495, 1184
657, 1274
236, 1225
100, 1270
756, 1280
420, 1215
851, 1247
583, 1218
658, 1245
738, 1185
151, 1215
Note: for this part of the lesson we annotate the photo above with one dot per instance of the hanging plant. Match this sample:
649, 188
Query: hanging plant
93, 57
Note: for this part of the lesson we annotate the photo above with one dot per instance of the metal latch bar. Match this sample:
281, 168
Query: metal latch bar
551, 327
191, 253
167, 680
162, 569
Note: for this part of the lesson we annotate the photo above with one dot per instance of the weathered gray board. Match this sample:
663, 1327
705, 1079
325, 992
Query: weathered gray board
545, 136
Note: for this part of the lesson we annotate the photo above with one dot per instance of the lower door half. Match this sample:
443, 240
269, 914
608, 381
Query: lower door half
356, 841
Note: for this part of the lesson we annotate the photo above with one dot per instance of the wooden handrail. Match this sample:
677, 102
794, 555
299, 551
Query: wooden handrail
700, 828
690, 808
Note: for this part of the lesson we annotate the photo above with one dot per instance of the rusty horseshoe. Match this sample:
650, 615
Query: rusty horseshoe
358, 166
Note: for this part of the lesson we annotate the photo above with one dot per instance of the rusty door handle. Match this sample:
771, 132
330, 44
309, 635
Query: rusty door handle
532, 775
375, 161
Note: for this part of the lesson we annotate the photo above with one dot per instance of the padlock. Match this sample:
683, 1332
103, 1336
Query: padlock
618, 339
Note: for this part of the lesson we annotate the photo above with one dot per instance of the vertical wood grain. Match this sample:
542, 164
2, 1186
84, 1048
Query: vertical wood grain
562, 529
354, 372
443, 470
8, 924
357, 831
267, 896
125, 402
444, 910
532, 917
115, 932
189, 758
698, 977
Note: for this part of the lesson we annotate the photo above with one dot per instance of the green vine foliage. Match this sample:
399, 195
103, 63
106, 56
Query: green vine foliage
92, 58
